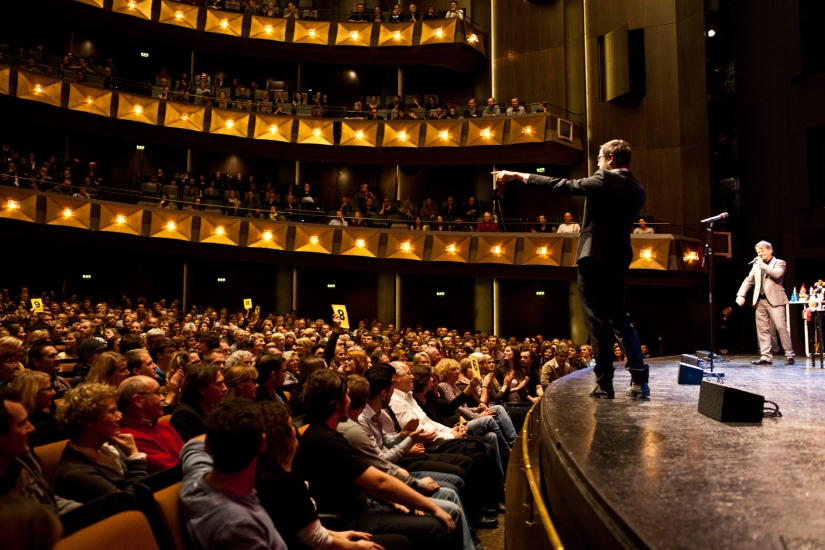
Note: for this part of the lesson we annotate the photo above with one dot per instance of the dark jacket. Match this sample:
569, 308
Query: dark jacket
188, 421
81, 480
614, 200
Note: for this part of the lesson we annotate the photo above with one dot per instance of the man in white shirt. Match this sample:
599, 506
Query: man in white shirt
454, 12
643, 229
515, 108
568, 226
338, 219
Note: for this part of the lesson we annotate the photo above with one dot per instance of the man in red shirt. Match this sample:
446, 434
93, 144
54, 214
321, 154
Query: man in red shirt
488, 225
140, 403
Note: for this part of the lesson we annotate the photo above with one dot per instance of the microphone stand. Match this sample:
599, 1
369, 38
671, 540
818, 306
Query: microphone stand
709, 258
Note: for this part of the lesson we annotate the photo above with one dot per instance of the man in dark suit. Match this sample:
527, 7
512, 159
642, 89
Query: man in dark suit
613, 201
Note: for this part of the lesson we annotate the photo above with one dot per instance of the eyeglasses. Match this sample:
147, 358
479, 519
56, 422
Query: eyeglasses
156, 392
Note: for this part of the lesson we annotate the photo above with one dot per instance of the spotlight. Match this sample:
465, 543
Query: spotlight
316, 132
406, 246
313, 239
495, 249
267, 236
38, 89
691, 256
132, 4
396, 35
311, 32
230, 123
184, 117
439, 32
450, 248
268, 29
444, 135
472, 39
89, 100
359, 134
647, 254
711, 33
68, 213
402, 135
120, 219
171, 226
178, 15
486, 133
354, 35
12, 205
220, 230
224, 23
541, 251
273, 129
137, 109
527, 130
360, 243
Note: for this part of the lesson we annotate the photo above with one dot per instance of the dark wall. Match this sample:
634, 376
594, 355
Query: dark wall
243, 280
421, 305
354, 289
522, 312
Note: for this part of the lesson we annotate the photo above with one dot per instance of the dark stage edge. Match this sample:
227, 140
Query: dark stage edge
657, 474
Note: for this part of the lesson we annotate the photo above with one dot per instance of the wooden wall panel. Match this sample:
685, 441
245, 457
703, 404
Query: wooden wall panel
662, 86
531, 76
692, 86
545, 29
659, 12
666, 183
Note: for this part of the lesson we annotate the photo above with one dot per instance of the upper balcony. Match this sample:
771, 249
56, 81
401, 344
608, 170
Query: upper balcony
453, 43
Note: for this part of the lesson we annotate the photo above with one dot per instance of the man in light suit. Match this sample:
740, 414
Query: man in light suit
769, 299
613, 201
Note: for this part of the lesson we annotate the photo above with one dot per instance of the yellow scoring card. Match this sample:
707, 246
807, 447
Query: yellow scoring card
37, 304
247, 303
341, 310
476, 370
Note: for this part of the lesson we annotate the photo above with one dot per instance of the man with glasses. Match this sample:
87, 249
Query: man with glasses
139, 401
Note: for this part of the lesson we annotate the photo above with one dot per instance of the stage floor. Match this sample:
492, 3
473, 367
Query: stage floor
679, 479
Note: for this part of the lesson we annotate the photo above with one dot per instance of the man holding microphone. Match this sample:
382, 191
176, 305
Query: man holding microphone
769, 300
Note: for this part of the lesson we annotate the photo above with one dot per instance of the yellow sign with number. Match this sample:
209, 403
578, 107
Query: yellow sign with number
476, 369
247, 303
37, 304
257, 311
341, 310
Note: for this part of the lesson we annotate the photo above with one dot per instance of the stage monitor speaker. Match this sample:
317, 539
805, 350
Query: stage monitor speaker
727, 404
690, 360
690, 375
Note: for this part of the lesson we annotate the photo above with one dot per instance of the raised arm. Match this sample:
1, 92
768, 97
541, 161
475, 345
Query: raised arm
584, 186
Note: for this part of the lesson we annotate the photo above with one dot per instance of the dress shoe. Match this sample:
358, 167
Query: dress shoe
789, 361
640, 390
492, 512
485, 522
601, 393
762, 362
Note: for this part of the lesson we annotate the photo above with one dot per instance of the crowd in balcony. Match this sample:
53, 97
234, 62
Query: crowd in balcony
415, 416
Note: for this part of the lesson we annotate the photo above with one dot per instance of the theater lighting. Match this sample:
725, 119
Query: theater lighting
646, 253
354, 35
132, 4
140, 147
137, 109
313, 239
311, 32
221, 279
527, 130
184, 117
472, 39
273, 129
406, 246
711, 33
541, 251
267, 235
230, 123
268, 29
495, 249
178, 15
486, 133
396, 35
539, 293
444, 135
38, 89
170, 226
359, 134
691, 256
120, 219
316, 132
224, 23
89, 100
439, 32
220, 230
68, 213
451, 249
402, 135
11, 206
360, 243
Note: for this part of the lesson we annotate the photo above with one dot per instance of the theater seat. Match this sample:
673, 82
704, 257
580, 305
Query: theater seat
124, 531
302, 429
168, 501
165, 418
49, 457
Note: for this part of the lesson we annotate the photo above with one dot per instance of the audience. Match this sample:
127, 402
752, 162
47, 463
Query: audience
203, 387
568, 226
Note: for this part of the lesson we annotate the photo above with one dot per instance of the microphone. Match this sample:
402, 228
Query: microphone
753, 261
722, 216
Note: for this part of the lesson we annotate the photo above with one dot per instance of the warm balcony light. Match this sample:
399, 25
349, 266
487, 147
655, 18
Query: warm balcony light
527, 130
311, 32
406, 246
170, 226
360, 243
444, 135
691, 256
184, 117
120, 219
316, 132
402, 135
541, 251
179, 15
267, 235
451, 248
359, 134
647, 254
486, 133
396, 35
273, 129
268, 29
313, 239
472, 39
230, 123
220, 230
68, 213
354, 35
89, 100
13, 205
224, 23
137, 109
132, 4
38, 89
495, 249
439, 32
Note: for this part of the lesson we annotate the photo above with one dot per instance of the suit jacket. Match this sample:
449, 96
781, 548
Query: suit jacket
188, 421
613, 202
772, 273
79, 479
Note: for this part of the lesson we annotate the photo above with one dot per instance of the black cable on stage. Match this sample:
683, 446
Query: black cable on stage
771, 412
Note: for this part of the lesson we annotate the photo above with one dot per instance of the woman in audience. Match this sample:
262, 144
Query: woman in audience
291, 360
203, 387
307, 366
356, 112
240, 357
57, 334
373, 103
241, 381
292, 209
197, 206
299, 100
109, 368
357, 362
512, 380
36, 395
439, 224
164, 201
98, 460
11, 351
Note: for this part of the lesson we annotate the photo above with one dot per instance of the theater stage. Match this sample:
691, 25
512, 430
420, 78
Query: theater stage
657, 474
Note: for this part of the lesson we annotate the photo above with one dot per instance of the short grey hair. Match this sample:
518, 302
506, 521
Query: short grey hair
764, 244
399, 366
236, 357
130, 388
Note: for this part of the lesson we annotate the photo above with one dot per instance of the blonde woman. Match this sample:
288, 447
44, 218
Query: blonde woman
110, 368
36, 394
241, 381
72, 343
11, 351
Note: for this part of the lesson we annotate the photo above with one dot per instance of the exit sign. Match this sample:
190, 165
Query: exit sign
540, 170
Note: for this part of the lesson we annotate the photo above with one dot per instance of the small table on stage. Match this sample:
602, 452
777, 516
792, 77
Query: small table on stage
817, 318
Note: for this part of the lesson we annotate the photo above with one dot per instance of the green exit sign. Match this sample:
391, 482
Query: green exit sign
540, 170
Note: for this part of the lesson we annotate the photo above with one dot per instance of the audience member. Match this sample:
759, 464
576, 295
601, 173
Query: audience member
488, 225
515, 108
568, 226
643, 229
203, 388
492, 109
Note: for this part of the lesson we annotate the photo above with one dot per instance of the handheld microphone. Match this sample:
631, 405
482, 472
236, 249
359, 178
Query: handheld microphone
753, 261
722, 216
